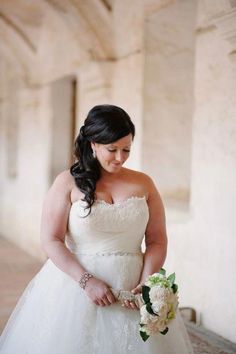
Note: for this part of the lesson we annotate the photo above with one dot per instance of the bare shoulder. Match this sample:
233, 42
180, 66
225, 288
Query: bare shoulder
56, 208
62, 185
143, 180
154, 200
64, 177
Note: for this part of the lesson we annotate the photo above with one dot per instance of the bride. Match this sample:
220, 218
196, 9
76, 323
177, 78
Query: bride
94, 219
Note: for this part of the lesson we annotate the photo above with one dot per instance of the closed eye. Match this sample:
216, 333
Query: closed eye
115, 150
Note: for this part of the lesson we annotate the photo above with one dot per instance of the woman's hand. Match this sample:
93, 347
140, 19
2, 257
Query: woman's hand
133, 304
99, 292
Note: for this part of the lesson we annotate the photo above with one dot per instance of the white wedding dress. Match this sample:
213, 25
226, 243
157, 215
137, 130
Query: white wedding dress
55, 316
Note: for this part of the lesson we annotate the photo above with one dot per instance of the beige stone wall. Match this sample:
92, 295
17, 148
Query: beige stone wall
202, 241
213, 176
22, 193
168, 97
172, 67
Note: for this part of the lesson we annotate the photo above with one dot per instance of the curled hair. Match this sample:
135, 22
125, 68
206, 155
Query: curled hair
104, 125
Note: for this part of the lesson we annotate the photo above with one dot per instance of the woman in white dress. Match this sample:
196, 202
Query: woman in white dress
93, 221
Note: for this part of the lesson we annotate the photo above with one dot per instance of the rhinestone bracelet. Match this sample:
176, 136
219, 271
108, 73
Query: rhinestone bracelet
84, 278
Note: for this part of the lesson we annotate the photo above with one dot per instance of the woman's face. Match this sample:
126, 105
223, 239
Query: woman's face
112, 156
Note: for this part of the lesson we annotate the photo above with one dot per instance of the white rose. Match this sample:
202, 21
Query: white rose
157, 293
160, 308
162, 325
154, 327
151, 328
145, 315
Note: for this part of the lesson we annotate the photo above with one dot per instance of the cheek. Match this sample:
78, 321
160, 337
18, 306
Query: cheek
106, 155
126, 156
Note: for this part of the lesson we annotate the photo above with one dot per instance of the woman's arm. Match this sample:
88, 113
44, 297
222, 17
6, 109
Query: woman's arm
55, 213
155, 238
54, 222
155, 235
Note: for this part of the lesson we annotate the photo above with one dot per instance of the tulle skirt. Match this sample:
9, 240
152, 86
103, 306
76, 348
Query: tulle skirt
55, 316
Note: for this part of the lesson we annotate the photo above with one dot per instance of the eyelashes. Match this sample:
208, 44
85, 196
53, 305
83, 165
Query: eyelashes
115, 150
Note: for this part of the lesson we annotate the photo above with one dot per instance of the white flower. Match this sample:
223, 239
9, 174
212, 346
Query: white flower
145, 315
160, 308
162, 325
154, 327
157, 293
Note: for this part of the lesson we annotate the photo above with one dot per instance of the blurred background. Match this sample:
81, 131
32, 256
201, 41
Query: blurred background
172, 66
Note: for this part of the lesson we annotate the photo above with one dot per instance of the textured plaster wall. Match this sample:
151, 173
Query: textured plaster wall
22, 195
202, 237
168, 97
180, 92
213, 185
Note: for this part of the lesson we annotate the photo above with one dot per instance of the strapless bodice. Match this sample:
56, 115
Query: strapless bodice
117, 227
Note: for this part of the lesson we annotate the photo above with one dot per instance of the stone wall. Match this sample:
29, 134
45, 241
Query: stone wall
168, 98
172, 67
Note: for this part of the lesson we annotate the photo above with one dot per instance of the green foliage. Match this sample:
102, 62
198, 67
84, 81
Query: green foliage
144, 335
155, 280
174, 288
149, 309
145, 293
171, 278
165, 331
162, 271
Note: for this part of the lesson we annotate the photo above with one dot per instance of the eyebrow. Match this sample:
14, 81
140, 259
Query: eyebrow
117, 146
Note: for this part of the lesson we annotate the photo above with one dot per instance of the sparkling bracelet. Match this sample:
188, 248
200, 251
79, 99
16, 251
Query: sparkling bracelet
84, 278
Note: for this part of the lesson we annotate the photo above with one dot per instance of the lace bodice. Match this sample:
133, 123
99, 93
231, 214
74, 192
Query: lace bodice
117, 227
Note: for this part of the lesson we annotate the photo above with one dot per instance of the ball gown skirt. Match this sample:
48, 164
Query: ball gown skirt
55, 316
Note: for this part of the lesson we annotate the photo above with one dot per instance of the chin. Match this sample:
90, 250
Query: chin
114, 169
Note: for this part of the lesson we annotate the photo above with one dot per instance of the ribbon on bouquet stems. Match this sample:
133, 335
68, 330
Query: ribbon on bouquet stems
122, 295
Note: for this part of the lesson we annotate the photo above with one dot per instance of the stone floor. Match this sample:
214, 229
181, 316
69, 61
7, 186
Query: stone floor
17, 268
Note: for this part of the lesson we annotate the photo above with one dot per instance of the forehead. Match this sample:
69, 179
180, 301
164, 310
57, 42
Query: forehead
126, 140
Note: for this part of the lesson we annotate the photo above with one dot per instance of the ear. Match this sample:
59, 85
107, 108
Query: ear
94, 145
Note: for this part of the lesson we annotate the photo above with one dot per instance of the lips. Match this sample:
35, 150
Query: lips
116, 164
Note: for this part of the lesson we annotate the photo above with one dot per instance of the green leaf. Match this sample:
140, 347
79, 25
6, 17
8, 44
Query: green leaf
165, 331
144, 336
171, 278
162, 271
149, 309
175, 288
145, 293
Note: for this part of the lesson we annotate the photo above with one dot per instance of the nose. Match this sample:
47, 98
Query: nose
119, 156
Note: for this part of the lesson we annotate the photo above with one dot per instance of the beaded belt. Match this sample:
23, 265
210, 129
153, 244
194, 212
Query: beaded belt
119, 253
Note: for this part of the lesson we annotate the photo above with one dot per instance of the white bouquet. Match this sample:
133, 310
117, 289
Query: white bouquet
158, 303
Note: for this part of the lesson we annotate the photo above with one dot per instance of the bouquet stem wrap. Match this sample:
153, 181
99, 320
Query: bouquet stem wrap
122, 295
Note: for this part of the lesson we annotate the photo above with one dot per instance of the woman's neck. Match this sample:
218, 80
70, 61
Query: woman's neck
109, 176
